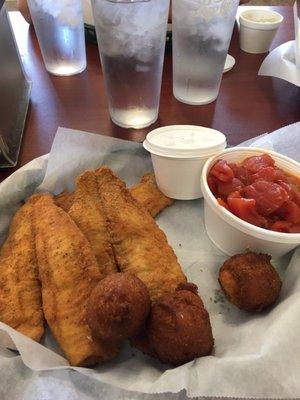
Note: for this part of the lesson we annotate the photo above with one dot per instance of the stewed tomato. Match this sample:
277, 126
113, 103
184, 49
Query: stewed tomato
258, 192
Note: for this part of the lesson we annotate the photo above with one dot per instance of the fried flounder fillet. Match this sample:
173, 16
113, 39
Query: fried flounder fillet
148, 195
145, 192
87, 212
20, 290
64, 200
140, 247
68, 271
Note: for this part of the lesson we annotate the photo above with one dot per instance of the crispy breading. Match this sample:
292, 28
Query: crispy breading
250, 281
145, 192
64, 200
140, 247
148, 195
87, 212
178, 328
68, 271
20, 290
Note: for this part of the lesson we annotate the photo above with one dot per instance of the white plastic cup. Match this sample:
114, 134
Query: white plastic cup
60, 31
178, 154
257, 29
231, 234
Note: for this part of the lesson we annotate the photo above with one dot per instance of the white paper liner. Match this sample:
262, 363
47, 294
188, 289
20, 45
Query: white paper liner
284, 61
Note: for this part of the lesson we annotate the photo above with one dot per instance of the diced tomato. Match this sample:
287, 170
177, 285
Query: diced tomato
255, 163
280, 175
222, 171
265, 174
291, 191
258, 192
224, 189
294, 228
243, 175
222, 203
281, 226
287, 188
246, 210
295, 194
268, 196
233, 166
234, 195
212, 184
290, 211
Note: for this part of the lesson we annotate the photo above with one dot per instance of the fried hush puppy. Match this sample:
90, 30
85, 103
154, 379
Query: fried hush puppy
118, 307
178, 329
249, 281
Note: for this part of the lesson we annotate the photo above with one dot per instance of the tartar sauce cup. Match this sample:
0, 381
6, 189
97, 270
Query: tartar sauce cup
231, 234
257, 29
178, 154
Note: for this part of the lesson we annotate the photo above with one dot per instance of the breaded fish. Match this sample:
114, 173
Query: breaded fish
64, 200
87, 212
145, 192
148, 195
68, 271
20, 290
140, 247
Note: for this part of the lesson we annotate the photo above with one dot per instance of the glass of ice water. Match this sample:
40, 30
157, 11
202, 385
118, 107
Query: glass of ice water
202, 31
60, 31
131, 38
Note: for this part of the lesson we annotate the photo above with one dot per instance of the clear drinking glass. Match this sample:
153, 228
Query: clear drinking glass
131, 38
202, 31
60, 31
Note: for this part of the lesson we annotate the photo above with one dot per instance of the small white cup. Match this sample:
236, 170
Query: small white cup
257, 29
178, 154
231, 234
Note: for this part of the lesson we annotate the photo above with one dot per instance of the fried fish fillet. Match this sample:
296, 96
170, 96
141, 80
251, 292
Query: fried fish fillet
140, 247
20, 290
148, 195
87, 212
145, 192
64, 200
68, 272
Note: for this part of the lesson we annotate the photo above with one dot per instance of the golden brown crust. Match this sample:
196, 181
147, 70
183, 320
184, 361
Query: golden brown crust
178, 328
64, 200
20, 290
145, 192
68, 271
149, 196
250, 281
118, 307
140, 247
87, 212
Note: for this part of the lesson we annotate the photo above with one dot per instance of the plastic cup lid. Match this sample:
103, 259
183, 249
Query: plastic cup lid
184, 141
261, 19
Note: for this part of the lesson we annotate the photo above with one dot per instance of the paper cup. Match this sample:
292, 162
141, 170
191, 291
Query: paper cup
231, 234
178, 154
257, 29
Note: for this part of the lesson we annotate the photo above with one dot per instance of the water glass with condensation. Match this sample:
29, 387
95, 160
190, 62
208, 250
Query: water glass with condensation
60, 31
202, 31
131, 38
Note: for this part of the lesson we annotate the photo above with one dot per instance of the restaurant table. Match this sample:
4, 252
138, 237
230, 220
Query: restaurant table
247, 105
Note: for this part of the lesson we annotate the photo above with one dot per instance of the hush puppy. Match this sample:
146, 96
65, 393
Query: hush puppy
118, 307
249, 281
178, 329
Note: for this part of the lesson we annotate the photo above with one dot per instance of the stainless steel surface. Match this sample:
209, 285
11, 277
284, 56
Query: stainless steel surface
14, 95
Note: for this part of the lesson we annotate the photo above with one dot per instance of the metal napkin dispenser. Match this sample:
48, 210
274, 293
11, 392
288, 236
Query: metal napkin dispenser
14, 94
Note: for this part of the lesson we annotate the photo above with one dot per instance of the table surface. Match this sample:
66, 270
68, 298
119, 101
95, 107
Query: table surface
247, 105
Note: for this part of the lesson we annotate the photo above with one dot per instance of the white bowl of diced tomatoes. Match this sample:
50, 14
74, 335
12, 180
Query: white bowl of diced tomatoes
252, 201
